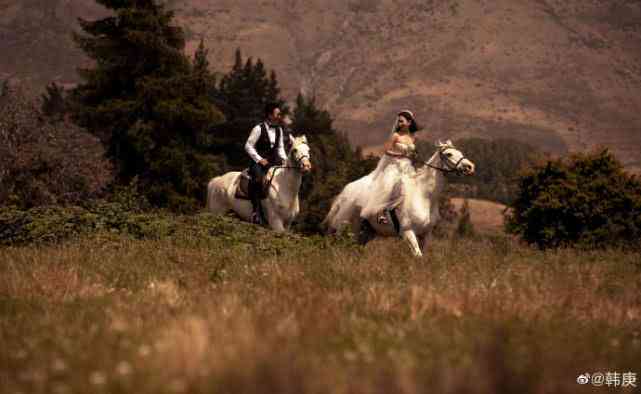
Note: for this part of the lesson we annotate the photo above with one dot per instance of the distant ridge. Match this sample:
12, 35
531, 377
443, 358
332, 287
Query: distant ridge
561, 75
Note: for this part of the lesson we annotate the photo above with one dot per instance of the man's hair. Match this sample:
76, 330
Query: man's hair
269, 108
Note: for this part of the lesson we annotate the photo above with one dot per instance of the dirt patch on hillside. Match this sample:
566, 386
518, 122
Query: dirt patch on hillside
487, 216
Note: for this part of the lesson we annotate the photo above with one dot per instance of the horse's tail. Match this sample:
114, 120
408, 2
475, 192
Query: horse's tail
328, 224
215, 191
210, 193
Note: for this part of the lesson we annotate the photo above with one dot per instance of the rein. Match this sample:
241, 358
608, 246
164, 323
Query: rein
448, 169
271, 178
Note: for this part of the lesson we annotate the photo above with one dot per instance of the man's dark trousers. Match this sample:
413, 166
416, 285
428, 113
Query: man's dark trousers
257, 173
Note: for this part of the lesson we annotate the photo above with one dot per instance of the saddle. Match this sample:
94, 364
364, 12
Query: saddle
242, 190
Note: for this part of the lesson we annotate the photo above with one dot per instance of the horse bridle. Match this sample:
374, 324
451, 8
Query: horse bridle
298, 167
449, 169
298, 161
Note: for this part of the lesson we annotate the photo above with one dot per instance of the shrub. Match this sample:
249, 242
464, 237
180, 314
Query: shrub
55, 224
587, 200
464, 227
45, 160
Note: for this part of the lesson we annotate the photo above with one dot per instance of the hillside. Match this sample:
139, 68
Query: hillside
486, 216
562, 75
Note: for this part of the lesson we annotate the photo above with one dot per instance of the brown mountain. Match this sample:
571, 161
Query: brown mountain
563, 75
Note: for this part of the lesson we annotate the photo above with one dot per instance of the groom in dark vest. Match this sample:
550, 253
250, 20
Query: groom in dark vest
266, 147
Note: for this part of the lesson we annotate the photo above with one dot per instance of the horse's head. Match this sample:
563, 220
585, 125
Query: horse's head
300, 154
453, 159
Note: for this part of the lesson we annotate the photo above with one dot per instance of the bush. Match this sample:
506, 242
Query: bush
55, 224
588, 201
464, 227
45, 160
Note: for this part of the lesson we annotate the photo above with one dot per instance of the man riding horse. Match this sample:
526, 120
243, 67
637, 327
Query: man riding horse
266, 147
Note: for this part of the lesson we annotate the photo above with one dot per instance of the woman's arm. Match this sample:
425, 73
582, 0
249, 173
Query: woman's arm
389, 145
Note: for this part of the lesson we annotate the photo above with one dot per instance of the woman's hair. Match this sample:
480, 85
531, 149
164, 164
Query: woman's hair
410, 117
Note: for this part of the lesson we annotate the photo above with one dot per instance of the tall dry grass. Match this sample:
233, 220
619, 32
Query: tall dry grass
111, 315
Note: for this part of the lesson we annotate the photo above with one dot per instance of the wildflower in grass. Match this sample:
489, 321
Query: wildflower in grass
144, 351
60, 388
59, 365
98, 378
123, 368
178, 386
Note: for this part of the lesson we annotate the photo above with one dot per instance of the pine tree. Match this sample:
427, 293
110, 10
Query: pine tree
243, 93
151, 106
201, 64
53, 102
336, 163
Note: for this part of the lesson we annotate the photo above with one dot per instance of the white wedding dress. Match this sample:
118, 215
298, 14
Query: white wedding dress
389, 180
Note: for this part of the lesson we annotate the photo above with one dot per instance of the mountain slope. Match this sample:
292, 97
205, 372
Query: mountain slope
562, 75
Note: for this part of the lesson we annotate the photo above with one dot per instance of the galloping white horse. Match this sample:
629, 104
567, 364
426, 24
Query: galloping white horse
281, 205
418, 211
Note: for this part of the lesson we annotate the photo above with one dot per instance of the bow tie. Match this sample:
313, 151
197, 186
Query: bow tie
273, 126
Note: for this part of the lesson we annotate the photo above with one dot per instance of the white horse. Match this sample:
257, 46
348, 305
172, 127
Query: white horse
281, 205
418, 210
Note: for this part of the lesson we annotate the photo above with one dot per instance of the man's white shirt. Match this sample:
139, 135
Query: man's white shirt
250, 145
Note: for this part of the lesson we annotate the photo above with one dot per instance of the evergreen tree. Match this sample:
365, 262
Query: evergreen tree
205, 80
335, 163
243, 94
148, 102
53, 102
201, 63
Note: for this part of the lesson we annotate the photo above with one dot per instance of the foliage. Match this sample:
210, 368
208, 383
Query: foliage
49, 224
335, 163
242, 96
464, 227
44, 160
497, 166
148, 102
243, 93
587, 200
446, 226
54, 102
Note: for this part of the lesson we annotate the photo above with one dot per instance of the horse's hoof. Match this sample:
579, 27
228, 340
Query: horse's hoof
255, 219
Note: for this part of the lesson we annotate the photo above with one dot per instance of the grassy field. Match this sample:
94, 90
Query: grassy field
111, 314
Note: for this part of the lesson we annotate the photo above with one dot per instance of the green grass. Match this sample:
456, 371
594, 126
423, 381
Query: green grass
224, 311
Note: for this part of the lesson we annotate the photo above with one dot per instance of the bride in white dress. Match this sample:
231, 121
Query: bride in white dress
393, 169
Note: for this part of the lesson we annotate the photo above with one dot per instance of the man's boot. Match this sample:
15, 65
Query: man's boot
254, 195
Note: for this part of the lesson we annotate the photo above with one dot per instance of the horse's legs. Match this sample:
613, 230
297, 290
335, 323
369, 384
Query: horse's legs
365, 232
275, 222
355, 224
410, 237
424, 240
